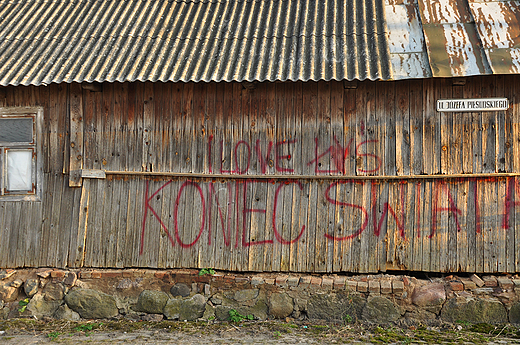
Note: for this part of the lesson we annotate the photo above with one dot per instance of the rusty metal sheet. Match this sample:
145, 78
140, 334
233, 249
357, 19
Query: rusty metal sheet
454, 50
444, 11
406, 40
498, 25
504, 61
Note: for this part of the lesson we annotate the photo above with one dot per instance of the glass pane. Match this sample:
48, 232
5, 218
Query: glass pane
18, 130
19, 170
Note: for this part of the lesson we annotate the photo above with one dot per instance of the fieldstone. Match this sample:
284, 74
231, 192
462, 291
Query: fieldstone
31, 287
259, 310
246, 295
54, 291
420, 315
431, 297
17, 283
514, 313
216, 300
91, 304
180, 290
152, 302
4, 274
380, 310
335, 306
43, 272
40, 307
474, 310
8, 293
185, 309
70, 279
483, 291
209, 312
125, 284
65, 313
4, 313
280, 305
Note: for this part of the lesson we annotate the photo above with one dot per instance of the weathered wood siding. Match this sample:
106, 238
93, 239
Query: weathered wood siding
283, 177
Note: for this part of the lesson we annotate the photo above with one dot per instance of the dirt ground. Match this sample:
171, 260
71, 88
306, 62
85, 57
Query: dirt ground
26, 331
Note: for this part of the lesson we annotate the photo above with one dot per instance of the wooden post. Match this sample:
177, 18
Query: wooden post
76, 135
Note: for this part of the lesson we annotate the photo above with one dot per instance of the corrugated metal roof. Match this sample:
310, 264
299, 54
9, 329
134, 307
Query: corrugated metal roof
54, 41
254, 40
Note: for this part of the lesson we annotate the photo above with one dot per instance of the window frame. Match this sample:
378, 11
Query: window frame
36, 113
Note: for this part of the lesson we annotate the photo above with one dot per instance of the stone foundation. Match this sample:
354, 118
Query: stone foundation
138, 294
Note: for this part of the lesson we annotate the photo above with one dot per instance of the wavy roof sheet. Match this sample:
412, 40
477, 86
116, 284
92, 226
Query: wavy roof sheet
54, 41
214, 40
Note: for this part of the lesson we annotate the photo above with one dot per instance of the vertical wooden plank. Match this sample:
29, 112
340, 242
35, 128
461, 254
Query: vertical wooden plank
308, 120
199, 110
76, 134
511, 158
410, 239
403, 141
321, 255
416, 236
500, 238
134, 225
241, 164
489, 221
267, 122
14, 258
470, 228
371, 166
285, 194
431, 131
338, 157
149, 135
299, 206
54, 229
65, 221
416, 127
114, 225
50, 127
77, 253
166, 215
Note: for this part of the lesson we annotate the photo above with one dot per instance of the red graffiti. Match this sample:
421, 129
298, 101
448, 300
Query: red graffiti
276, 233
234, 213
346, 204
337, 153
176, 212
436, 209
387, 208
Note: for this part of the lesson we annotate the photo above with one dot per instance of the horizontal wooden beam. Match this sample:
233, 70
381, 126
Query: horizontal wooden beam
309, 177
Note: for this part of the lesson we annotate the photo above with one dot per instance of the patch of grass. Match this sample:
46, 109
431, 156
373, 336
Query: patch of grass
53, 335
87, 327
205, 271
235, 316
23, 305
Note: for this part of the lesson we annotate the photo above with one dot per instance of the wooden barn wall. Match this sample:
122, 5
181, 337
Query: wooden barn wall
271, 178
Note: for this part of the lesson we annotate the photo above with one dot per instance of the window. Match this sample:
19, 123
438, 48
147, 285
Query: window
20, 168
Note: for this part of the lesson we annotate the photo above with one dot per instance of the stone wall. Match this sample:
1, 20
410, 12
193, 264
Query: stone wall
153, 295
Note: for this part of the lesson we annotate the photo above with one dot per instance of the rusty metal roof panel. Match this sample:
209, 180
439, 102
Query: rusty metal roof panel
452, 42
498, 24
53, 41
406, 40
